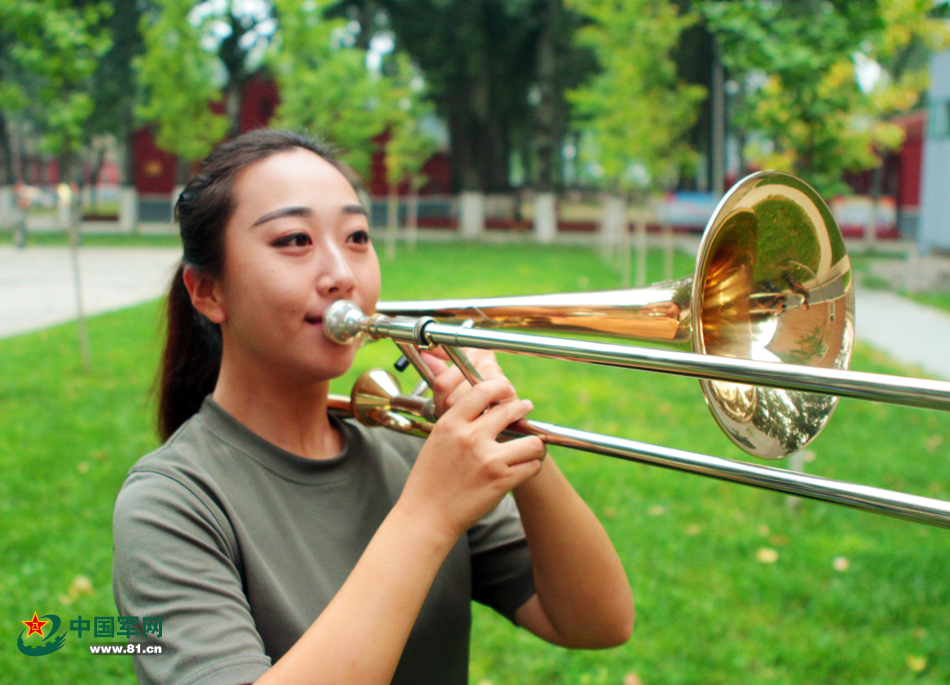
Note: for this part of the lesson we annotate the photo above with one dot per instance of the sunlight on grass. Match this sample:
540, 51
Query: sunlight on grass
838, 596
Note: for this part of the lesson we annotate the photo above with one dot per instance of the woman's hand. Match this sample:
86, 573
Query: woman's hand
450, 385
462, 471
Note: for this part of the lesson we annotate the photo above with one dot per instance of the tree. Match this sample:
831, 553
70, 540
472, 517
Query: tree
324, 81
48, 52
53, 47
479, 58
799, 62
177, 77
634, 112
198, 52
114, 85
409, 146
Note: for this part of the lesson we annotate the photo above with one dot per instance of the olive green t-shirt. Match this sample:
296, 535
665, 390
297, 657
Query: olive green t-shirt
237, 546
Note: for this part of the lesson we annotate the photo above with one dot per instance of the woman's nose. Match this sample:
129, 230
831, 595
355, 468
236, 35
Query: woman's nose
336, 276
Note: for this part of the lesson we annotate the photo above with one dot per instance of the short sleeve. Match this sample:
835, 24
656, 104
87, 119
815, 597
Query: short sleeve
174, 559
502, 574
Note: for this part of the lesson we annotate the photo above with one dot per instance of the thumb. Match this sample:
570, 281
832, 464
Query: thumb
435, 360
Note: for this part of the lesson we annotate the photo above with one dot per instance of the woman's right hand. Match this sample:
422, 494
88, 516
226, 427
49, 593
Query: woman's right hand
462, 471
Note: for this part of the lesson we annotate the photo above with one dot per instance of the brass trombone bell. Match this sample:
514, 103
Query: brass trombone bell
772, 283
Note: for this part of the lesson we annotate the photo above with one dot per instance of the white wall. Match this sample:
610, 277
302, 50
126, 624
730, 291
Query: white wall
934, 230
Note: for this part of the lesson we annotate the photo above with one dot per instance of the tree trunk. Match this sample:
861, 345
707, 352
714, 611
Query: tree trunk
718, 95
392, 227
7, 172
412, 214
877, 182
472, 214
545, 207
614, 224
68, 167
545, 217
233, 106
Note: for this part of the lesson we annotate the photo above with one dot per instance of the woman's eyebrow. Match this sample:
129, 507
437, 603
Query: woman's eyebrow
354, 209
282, 212
305, 212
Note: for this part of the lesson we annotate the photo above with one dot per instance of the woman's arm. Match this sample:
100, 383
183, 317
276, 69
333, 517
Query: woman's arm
460, 474
584, 598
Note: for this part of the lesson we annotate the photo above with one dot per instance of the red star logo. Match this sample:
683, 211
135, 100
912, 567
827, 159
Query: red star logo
35, 626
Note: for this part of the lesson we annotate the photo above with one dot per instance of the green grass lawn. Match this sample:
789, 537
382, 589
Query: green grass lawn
938, 300
732, 584
61, 239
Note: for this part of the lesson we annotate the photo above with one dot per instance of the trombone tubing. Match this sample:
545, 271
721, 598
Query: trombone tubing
910, 392
867, 498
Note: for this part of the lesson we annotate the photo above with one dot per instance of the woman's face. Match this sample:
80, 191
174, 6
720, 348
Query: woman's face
297, 242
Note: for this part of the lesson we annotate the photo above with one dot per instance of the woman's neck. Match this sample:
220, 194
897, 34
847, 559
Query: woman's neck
292, 416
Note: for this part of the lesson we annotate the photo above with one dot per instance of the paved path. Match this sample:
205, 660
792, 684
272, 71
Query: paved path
909, 332
36, 290
36, 283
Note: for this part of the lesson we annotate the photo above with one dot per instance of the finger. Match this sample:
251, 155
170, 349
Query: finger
474, 402
521, 450
448, 387
435, 362
503, 414
457, 394
486, 362
520, 472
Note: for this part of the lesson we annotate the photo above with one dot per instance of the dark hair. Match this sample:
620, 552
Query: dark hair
192, 356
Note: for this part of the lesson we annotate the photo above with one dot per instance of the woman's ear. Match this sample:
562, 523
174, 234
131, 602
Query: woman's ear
205, 295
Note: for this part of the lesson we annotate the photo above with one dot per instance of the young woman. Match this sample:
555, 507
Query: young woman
277, 543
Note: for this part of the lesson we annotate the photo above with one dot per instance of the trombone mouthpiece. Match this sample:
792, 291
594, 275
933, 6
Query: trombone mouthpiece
344, 322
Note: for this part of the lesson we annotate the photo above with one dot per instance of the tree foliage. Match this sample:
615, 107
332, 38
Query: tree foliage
410, 146
178, 79
48, 53
327, 87
324, 83
635, 111
801, 63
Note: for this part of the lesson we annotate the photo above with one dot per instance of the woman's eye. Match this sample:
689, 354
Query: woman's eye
360, 237
293, 240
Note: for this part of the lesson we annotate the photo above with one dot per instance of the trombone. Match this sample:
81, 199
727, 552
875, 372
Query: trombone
766, 322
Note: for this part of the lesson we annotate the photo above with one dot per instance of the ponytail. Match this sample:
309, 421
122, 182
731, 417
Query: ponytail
190, 361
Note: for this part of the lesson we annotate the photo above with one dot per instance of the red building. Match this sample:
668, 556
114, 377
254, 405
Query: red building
900, 175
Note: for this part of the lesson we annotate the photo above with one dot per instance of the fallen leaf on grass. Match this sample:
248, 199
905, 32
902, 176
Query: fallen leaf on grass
933, 442
841, 564
632, 679
766, 555
81, 585
916, 663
